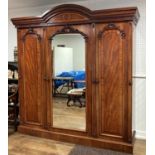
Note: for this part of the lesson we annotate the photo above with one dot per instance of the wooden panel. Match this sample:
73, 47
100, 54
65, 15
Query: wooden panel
111, 80
32, 76
67, 17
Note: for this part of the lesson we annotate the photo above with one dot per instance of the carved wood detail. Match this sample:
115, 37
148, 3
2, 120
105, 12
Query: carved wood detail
31, 32
111, 26
68, 29
65, 17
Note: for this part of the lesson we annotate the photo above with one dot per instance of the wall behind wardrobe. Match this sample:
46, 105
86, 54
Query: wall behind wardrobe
139, 88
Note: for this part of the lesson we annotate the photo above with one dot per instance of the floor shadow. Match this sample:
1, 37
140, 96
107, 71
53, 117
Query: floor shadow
83, 150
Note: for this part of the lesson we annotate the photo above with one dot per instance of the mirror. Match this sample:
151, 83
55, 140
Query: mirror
69, 81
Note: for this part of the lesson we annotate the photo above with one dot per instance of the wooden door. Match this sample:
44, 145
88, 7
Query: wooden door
114, 73
30, 45
87, 33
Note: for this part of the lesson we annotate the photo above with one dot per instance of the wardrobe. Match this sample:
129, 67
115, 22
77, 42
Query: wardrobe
109, 37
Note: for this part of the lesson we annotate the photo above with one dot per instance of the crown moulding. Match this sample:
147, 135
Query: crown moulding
73, 14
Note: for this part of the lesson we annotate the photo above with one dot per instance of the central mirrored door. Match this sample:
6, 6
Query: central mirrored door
69, 81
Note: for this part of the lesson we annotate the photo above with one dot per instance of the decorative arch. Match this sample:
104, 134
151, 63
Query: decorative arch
65, 12
68, 29
112, 26
31, 32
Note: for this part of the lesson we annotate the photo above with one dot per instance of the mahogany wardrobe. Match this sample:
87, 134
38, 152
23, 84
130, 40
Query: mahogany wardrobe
109, 43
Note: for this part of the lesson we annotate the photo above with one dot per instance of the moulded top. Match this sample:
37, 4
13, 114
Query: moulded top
76, 14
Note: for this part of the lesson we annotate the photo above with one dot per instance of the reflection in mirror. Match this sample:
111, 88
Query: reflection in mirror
69, 82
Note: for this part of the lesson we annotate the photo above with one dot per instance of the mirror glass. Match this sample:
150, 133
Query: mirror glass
69, 81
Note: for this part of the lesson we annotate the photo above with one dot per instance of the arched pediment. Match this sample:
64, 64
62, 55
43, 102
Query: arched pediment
73, 14
67, 12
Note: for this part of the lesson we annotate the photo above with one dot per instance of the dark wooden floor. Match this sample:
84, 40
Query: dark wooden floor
20, 144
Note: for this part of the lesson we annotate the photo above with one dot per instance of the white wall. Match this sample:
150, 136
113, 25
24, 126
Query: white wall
63, 60
139, 99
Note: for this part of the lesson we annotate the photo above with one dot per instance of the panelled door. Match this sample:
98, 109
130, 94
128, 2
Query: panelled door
30, 44
112, 72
